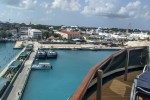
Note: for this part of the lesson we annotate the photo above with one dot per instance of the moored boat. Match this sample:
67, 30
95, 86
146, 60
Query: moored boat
42, 65
41, 54
51, 54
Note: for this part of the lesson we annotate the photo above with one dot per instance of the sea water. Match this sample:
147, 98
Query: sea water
69, 69
7, 53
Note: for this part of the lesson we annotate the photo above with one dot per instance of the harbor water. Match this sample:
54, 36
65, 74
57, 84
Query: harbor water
7, 53
69, 69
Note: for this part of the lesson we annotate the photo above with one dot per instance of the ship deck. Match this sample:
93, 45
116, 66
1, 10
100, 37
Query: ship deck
117, 89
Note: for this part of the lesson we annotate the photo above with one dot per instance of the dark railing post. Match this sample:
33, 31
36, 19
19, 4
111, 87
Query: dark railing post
126, 66
99, 85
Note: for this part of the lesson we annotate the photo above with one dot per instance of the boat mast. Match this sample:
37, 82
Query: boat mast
148, 59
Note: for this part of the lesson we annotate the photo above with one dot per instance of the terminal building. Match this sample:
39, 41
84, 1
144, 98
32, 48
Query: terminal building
26, 33
35, 33
23, 32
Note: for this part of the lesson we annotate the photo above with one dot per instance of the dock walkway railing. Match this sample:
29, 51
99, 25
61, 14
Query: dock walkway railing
121, 61
27, 77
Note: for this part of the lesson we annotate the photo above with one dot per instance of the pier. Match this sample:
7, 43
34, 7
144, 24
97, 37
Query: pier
7, 66
21, 80
18, 45
69, 46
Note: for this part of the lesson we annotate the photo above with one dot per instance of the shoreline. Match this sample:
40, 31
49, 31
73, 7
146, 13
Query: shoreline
19, 45
67, 46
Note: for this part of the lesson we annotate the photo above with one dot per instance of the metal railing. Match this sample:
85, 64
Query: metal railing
121, 61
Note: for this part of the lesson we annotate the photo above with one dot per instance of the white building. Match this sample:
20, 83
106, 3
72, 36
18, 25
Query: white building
35, 33
24, 31
63, 27
74, 27
69, 34
104, 34
140, 35
98, 30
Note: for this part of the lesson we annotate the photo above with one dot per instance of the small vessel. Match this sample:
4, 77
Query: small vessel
42, 65
51, 54
41, 54
93, 48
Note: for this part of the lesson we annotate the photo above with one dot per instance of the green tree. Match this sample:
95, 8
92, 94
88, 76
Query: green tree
9, 35
3, 34
57, 35
45, 35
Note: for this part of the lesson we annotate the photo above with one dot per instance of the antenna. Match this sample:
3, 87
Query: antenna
129, 26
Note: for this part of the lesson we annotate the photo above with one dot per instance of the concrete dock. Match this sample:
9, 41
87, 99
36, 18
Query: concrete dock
18, 85
7, 66
70, 46
18, 45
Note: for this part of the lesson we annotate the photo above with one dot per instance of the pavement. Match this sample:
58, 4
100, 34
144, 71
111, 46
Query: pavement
65, 45
21, 79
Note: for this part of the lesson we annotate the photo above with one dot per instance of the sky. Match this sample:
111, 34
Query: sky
92, 13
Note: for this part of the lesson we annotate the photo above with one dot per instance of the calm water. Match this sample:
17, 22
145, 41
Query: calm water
69, 69
6, 54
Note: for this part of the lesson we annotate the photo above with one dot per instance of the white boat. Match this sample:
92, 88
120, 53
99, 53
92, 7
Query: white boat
43, 65
41, 54
51, 54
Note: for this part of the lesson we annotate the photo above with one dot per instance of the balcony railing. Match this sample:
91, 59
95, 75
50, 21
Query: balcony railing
121, 61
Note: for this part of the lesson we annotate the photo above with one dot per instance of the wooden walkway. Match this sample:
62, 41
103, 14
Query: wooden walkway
117, 89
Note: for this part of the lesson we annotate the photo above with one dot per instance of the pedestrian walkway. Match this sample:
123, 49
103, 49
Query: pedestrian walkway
21, 79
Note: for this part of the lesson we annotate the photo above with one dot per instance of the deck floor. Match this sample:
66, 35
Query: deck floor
117, 89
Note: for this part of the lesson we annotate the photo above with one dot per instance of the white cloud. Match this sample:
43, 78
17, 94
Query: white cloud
49, 11
99, 7
27, 4
22, 4
135, 10
45, 5
108, 8
72, 5
132, 9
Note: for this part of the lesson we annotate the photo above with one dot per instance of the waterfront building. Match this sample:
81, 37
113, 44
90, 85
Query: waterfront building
91, 32
69, 34
13, 31
63, 27
98, 30
70, 28
51, 27
74, 28
140, 36
52, 38
24, 31
35, 33
104, 34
